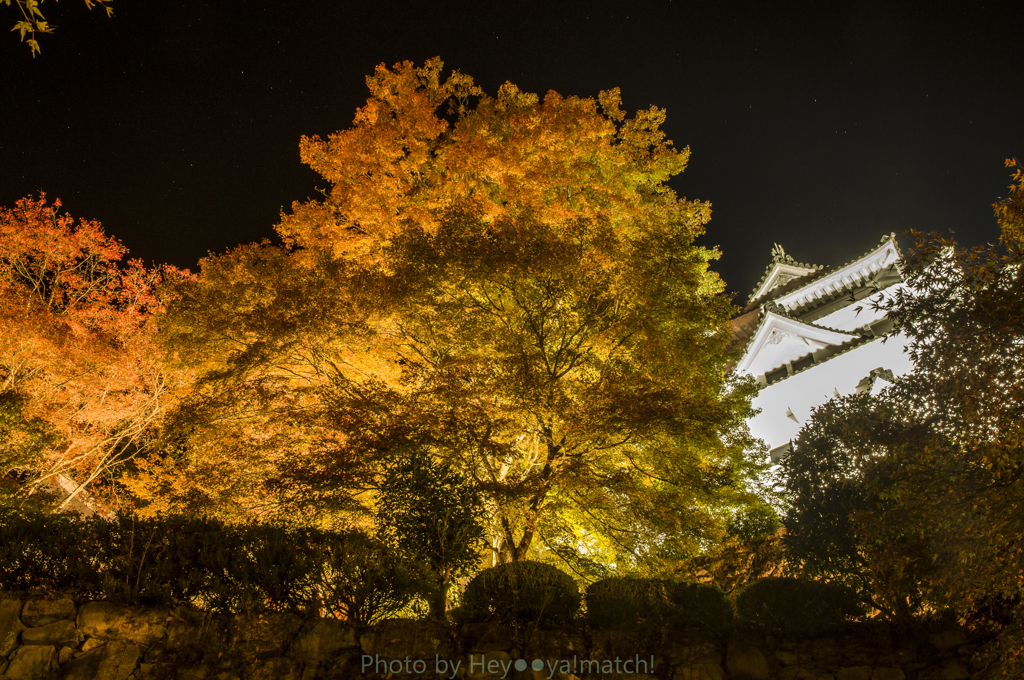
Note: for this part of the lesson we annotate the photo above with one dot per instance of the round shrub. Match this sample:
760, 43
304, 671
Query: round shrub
792, 606
627, 602
699, 606
521, 592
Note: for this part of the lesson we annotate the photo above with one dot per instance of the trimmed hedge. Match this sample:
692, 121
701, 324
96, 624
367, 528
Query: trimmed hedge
627, 602
203, 562
700, 606
521, 592
793, 606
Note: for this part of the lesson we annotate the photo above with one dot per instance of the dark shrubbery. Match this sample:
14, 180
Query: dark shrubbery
791, 606
627, 602
363, 580
521, 592
203, 562
700, 606
637, 603
50, 552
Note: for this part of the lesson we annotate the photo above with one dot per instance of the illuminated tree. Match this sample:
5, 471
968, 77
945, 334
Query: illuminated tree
504, 280
78, 372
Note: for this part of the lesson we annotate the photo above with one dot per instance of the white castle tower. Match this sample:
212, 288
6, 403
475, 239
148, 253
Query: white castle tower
810, 335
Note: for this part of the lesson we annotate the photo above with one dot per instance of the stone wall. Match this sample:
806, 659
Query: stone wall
57, 638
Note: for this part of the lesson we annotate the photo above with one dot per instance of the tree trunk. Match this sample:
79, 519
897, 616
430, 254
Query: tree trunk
438, 601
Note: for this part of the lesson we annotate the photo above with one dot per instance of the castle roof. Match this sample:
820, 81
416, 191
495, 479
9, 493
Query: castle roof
777, 327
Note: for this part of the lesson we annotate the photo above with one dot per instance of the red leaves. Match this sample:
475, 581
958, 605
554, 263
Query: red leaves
75, 337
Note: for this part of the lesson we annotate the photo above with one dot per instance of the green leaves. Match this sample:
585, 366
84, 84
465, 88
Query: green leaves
432, 514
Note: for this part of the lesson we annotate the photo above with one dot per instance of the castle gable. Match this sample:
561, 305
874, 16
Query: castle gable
780, 340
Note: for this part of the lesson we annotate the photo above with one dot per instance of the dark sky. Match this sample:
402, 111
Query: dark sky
817, 125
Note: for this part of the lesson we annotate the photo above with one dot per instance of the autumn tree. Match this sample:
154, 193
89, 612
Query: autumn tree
919, 492
505, 282
79, 383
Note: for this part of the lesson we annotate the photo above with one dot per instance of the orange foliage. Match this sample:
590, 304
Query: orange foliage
76, 339
564, 159
505, 282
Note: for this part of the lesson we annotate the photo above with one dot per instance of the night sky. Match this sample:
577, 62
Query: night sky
819, 126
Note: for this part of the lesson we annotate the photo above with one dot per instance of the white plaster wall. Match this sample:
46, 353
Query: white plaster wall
847, 318
804, 391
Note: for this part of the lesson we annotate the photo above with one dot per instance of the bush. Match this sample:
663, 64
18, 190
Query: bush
520, 592
363, 580
53, 552
700, 606
623, 602
632, 603
792, 606
218, 568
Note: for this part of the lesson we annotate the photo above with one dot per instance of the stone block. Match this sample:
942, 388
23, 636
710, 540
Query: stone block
261, 636
281, 668
854, 673
311, 671
155, 653
488, 665
859, 653
154, 671
399, 638
64, 655
906, 653
827, 651
698, 671
10, 626
82, 666
227, 675
320, 639
804, 673
109, 621
947, 670
198, 672
889, 674
91, 644
945, 639
38, 612
115, 660
745, 660
555, 644
348, 666
31, 662
694, 651
59, 634
788, 657
188, 627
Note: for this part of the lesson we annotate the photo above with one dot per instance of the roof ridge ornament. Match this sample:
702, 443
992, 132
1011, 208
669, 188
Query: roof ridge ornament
779, 255
776, 308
